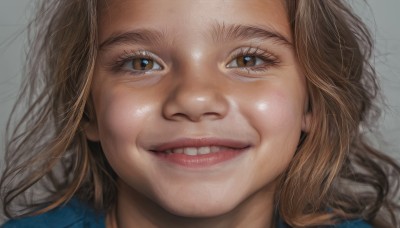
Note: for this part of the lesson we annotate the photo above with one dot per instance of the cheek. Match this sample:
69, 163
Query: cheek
274, 111
121, 116
277, 118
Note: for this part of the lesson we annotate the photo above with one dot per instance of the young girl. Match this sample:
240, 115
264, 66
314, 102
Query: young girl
177, 113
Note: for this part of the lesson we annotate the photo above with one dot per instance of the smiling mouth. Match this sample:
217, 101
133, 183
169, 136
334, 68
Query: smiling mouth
199, 153
194, 151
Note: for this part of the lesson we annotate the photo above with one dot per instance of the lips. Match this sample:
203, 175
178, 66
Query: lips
196, 153
198, 143
193, 151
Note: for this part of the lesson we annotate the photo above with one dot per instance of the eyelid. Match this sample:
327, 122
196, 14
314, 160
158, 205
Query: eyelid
255, 51
265, 55
118, 64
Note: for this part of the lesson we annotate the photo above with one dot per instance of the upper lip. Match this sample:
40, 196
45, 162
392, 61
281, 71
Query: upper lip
200, 142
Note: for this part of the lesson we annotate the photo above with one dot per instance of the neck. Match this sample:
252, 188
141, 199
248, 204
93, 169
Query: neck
134, 209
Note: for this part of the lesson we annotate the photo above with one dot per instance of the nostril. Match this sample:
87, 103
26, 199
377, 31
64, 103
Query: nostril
212, 115
195, 118
195, 102
182, 116
195, 115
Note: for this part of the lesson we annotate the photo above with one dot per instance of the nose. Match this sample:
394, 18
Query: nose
195, 99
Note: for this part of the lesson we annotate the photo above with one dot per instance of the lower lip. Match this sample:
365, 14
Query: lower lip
201, 160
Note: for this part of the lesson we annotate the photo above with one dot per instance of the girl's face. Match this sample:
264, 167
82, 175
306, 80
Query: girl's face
199, 104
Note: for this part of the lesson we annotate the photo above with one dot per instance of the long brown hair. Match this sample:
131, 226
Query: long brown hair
334, 174
335, 167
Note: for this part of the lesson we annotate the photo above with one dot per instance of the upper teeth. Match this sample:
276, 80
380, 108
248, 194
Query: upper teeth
195, 150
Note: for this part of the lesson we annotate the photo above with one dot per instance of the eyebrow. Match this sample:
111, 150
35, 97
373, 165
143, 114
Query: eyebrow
219, 33
143, 36
224, 33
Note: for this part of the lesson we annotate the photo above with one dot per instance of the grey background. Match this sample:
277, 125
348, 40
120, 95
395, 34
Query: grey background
381, 16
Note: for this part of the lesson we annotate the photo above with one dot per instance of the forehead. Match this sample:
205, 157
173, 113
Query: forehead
189, 18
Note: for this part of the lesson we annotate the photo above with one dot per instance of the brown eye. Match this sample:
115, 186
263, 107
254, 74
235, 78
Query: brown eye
137, 63
246, 61
142, 64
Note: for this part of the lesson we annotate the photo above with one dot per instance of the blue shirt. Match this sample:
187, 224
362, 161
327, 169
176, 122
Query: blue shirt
76, 214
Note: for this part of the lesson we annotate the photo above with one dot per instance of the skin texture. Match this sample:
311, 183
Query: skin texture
196, 90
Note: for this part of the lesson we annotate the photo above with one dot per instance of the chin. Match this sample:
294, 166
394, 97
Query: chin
200, 210
199, 206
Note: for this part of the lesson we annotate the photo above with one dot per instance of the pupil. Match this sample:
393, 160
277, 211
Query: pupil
248, 60
144, 63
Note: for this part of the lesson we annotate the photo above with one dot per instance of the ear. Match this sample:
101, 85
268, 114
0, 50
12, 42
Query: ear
91, 130
306, 122
89, 122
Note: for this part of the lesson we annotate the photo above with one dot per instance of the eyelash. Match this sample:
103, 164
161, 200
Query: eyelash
269, 59
118, 65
